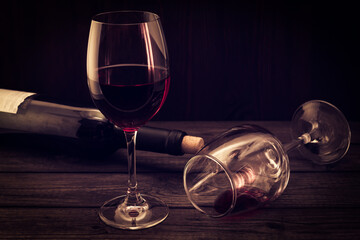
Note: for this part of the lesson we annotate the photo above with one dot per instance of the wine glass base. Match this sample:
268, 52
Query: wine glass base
328, 128
118, 214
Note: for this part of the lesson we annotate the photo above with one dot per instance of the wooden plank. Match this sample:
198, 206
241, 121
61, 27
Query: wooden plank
17, 159
209, 129
91, 190
83, 223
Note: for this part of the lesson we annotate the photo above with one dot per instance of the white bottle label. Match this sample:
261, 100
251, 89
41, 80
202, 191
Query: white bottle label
10, 100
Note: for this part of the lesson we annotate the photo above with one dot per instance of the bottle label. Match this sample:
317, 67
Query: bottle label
10, 100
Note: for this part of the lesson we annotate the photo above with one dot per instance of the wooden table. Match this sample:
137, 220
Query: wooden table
51, 194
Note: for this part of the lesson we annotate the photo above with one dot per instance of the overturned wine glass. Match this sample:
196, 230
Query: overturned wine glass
247, 166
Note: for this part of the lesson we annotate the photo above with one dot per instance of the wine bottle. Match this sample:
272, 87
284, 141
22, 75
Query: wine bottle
21, 112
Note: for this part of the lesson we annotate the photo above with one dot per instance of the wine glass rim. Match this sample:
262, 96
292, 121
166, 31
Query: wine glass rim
228, 176
96, 17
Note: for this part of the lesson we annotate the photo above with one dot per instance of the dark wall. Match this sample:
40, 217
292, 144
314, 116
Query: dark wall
230, 60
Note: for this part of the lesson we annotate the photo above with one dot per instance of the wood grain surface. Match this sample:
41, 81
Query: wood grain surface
51, 194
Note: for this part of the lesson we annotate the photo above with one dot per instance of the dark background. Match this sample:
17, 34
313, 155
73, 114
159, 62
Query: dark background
230, 60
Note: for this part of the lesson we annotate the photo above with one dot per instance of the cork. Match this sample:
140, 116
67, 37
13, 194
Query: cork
191, 144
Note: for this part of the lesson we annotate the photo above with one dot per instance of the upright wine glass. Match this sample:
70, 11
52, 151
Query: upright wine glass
247, 166
128, 78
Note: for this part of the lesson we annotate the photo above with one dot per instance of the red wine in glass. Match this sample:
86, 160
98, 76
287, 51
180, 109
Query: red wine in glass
130, 106
248, 198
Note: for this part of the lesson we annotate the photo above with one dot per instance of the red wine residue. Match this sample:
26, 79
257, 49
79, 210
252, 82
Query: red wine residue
247, 199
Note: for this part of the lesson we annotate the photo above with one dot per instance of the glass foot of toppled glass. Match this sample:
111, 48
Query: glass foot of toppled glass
328, 129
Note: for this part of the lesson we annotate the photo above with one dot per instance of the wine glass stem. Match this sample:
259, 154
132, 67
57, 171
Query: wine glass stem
131, 154
303, 139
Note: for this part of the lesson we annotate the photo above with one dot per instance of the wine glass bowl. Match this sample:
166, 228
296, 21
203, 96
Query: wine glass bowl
128, 66
247, 166
128, 78
238, 171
